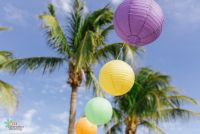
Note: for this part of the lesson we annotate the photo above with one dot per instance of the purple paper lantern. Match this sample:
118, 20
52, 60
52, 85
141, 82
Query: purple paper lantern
138, 22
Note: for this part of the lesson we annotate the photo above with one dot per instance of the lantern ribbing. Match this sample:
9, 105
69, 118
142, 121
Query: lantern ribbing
138, 22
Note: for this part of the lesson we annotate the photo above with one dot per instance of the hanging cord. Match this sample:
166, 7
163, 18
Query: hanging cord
120, 52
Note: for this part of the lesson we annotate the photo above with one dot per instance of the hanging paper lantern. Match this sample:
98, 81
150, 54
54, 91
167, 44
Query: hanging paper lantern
138, 22
83, 126
116, 77
98, 111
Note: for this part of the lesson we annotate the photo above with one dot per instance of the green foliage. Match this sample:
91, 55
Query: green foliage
81, 43
3, 28
55, 35
48, 64
152, 100
8, 94
5, 56
8, 97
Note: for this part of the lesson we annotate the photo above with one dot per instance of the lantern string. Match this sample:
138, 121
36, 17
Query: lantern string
120, 52
99, 93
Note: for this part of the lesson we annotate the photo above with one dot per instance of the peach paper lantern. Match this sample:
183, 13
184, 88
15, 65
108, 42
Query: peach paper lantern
84, 126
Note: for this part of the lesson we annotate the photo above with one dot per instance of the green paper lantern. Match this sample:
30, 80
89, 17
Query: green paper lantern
98, 111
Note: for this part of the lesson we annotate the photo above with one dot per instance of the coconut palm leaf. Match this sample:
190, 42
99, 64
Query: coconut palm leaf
177, 113
152, 126
115, 126
47, 64
5, 56
55, 34
3, 28
109, 50
118, 50
8, 96
98, 19
91, 80
106, 31
182, 98
85, 50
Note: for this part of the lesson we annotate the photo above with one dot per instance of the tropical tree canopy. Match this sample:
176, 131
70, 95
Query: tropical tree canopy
152, 100
80, 45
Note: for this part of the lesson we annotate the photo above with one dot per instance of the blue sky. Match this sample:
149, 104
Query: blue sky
44, 99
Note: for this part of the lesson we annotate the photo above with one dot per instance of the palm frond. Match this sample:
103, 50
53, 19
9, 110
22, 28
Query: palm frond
178, 113
55, 34
115, 124
5, 56
52, 10
184, 99
78, 7
47, 64
107, 30
8, 96
129, 53
152, 127
97, 23
4, 28
110, 51
91, 80
74, 24
114, 129
97, 19
85, 50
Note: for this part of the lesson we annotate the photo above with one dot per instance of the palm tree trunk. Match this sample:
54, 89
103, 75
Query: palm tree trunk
72, 114
131, 129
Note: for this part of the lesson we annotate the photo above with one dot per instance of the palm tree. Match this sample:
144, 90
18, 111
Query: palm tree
152, 100
8, 94
80, 46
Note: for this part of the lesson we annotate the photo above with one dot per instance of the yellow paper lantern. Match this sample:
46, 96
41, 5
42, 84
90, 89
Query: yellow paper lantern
83, 126
116, 77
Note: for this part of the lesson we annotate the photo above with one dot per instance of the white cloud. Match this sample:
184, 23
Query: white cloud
14, 14
56, 129
116, 2
64, 5
29, 126
62, 117
184, 12
38, 104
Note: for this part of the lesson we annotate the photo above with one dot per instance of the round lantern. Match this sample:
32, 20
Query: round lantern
138, 22
83, 126
116, 77
98, 111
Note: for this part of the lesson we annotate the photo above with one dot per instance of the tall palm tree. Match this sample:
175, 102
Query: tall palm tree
80, 46
152, 100
8, 94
